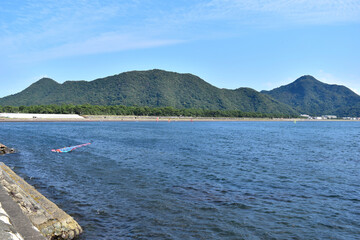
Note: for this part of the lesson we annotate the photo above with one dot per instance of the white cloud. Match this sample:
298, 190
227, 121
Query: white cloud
300, 11
51, 29
105, 43
65, 28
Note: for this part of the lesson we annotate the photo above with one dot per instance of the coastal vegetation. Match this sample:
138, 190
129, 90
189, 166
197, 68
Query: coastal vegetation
88, 109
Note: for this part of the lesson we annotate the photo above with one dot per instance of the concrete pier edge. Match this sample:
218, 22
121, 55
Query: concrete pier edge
43, 215
18, 226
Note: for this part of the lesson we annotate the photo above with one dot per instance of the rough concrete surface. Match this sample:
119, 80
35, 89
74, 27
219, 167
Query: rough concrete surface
14, 224
44, 215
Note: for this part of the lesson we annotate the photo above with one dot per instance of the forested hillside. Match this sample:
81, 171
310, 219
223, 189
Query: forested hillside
154, 88
310, 96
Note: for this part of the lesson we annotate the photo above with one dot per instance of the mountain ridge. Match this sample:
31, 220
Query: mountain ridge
311, 96
153, 88
159, 88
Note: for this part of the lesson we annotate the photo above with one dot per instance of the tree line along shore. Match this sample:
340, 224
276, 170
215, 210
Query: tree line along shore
121, 110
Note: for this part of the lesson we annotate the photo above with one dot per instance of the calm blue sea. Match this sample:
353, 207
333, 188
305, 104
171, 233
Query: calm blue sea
200, 180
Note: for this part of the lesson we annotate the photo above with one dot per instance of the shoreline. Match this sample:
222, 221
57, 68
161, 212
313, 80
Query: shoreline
116, 118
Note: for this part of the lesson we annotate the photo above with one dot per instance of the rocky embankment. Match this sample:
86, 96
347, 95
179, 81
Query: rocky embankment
5, 150
47, 218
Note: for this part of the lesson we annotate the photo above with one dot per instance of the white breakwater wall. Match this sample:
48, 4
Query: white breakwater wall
41, 116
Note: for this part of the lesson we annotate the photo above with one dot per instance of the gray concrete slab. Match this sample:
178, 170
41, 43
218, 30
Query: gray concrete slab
46, 216
20, 222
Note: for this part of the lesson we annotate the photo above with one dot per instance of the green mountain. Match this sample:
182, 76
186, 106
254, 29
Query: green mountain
154, 88
310, 96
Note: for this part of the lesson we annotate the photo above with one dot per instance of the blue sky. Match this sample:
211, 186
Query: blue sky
260, 44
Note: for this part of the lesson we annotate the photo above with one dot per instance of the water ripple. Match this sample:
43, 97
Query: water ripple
245, 180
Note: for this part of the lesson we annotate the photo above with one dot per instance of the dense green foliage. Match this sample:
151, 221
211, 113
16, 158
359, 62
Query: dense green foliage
310, 96
135, 110
159, 90
155, 88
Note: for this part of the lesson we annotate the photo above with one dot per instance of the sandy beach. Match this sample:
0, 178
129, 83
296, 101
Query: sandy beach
111, 118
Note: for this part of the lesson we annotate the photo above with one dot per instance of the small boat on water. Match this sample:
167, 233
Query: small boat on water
69, 149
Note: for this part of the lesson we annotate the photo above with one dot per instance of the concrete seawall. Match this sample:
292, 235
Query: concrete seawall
43, 216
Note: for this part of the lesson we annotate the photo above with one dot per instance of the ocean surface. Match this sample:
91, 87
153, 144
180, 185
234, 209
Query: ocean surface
196, 180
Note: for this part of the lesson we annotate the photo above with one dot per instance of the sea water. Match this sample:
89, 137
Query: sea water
196, 180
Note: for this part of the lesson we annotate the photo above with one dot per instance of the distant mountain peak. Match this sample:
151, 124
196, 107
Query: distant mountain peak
46, 80
306, 79
311, 96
